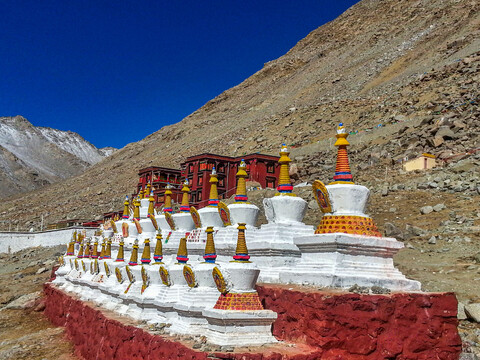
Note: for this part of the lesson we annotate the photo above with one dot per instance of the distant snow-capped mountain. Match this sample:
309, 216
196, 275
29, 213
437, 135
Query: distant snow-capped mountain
31, 157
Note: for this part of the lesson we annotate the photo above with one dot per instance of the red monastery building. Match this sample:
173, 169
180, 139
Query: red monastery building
261, 168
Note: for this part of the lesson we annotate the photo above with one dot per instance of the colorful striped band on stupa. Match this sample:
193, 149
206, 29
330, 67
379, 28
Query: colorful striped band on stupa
134, 257
241, 252
210, 252
241, 193
151, 205
239, 301
185, 206
120, 253
182, 254
158, 254
126, 208
284, 183
168, 199
347, 224
136, 209
146, 252
343, 174
213, 198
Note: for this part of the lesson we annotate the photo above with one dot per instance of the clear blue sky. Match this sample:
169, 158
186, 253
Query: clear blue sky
116, 71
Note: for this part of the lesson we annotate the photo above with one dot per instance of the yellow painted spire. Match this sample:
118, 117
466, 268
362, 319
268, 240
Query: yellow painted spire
95, 249
108, 250
86, 251
140, 194
148, 189
343, 175
241, 253
151, 205
284, 183
81, 250
136, 210
182, 254
134, 257
168, 199
213, 198
121, 251
75, 236
210, 253
185, 206
241, 194
146, 252
71, 247
126, 208
158, 254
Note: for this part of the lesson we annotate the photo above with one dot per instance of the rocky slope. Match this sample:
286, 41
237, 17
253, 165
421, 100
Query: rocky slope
31, 157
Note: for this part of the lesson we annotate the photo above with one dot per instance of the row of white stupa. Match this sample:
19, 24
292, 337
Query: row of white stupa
208, 287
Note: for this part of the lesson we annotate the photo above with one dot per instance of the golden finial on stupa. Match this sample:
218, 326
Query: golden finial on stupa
136, 210
108, 250
284, 183
86, 250
134, 257
158, 254
71, 247
126, 208
241, 252
148, 189
241, 193
121, 251
81, 250
213, 198
95, 249
343, 175
74, 236
146, 252
182, 254
168, 199
210, 252
185, 206
151, 205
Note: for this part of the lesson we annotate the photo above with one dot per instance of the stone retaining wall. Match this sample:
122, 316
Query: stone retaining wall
323, 325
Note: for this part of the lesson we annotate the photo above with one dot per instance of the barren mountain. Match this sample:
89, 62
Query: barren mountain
380, 62
32, 157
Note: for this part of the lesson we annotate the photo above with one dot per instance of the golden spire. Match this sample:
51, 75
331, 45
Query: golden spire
86, 250
134, 257
210, 253
121, 251
126, 208
71, 246
75, 236
146, 252
241, 253
241, 194
140, 194
158, 254
151, 205
108, 250
185, 206
136, 211
213, 198
147, 189
168, 199
343, 174
284, 183
182, 254
80, 252
95, 249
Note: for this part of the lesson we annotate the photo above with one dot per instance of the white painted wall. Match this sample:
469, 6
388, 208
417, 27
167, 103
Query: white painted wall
15, 241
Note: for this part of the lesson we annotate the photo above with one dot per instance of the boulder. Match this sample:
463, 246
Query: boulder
473, 312
439, 207
426, 209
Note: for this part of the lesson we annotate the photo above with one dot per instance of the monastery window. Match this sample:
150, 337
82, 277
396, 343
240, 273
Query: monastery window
203, 165
161, 199
270, 183
221, 182
270, 168
210, 166
194, 198
190, 168
200, 196
200, 180
221, 168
